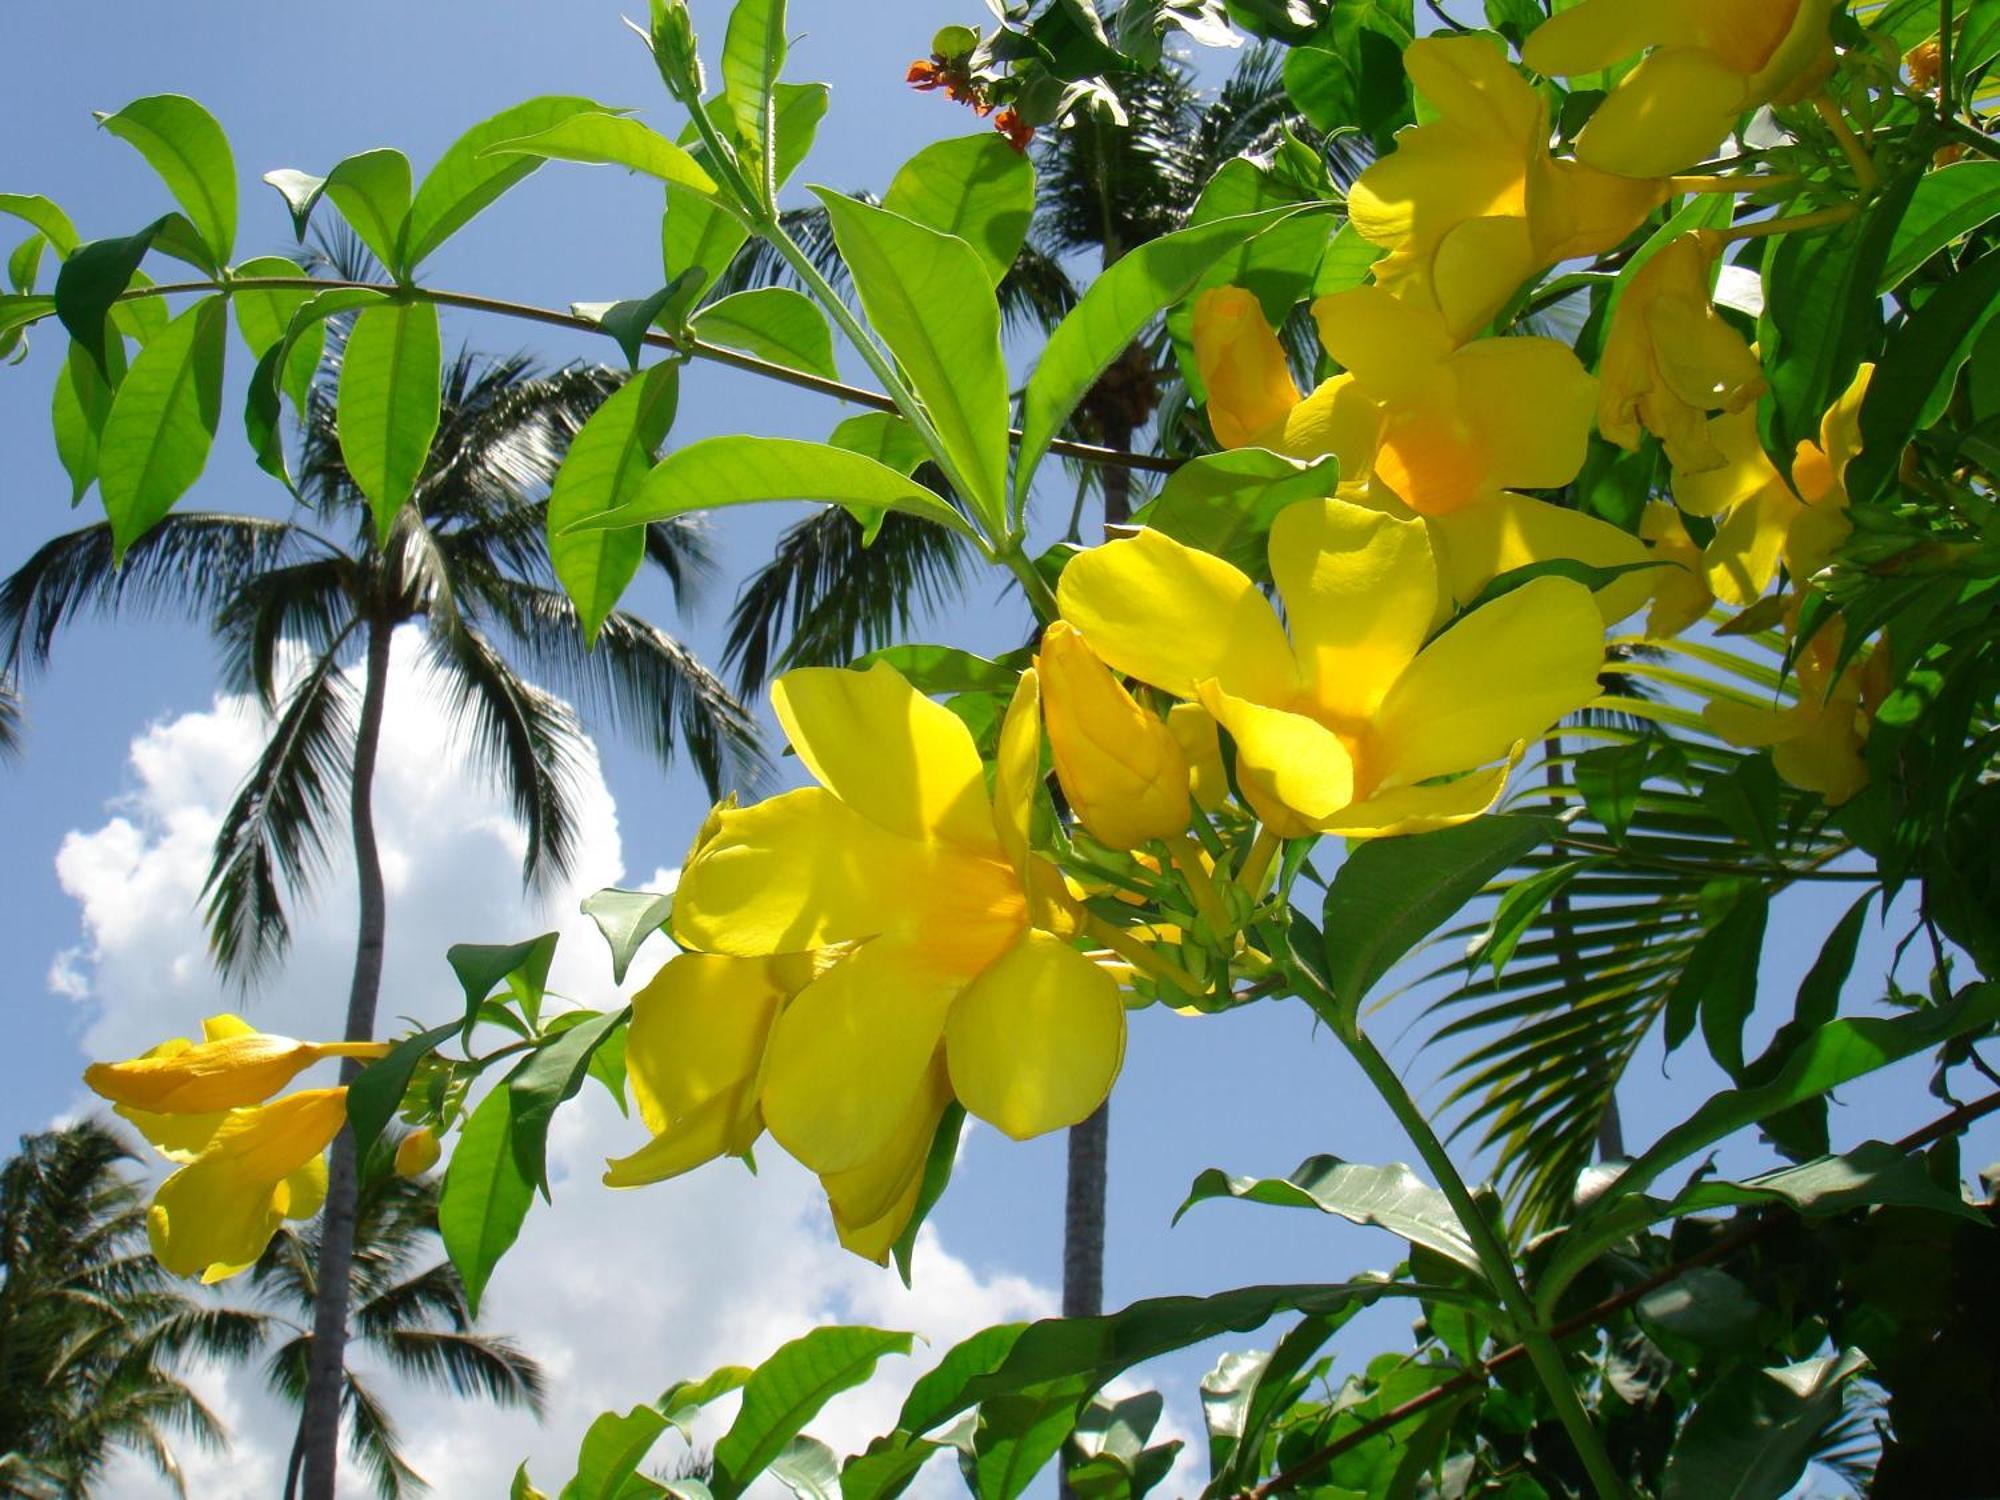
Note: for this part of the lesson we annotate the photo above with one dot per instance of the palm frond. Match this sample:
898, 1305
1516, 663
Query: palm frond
273, 839
825, 597
467, 1364
307, 605
373, 1441
10, 719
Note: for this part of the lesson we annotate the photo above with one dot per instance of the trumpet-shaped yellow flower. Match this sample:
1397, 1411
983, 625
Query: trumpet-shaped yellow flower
1819, 474
1682, 595
1818, 741
1471, 204
417, 1152
1194, 727
1352, 723
1712, 61
960, 947
1120, 767
260, 1166
1420, 425
233, 1065
1670, 360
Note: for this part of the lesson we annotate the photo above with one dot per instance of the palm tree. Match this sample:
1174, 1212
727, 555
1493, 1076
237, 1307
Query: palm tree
415, 1321
297, 603
92, 1332
10, 719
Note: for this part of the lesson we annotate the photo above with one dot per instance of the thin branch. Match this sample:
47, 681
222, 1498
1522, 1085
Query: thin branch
528, 312
1590, 1317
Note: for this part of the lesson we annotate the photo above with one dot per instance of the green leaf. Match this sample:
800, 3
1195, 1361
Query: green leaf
938, 670
91, 280
264, 315
599, 139
1018, 1432
807, 1468
1390, 1197
79, 406
627, 919
523, 967
1752, 1436
976, 187
1525, 900
466, 181
937, 1176
630, 321
741, 470
884, 437
486, 1195
372, 192
787, 1390
1269, 1389
927, 297
523, 1488
774, 323
683, 1400
1117, 308
301, 191
1915, 377
1823, 316
1835, 1053
753, 55
162, 422
1391, 894
886, 1468
1609, 779
549, 1077
185, 145
1819, 992
45, 215
1718, 982
607, 462
1947, 205
389, 403
377, 1091
1224, 503
612, 1450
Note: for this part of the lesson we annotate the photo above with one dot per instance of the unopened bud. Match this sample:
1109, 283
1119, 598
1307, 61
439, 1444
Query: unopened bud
417, 1152
1120, 767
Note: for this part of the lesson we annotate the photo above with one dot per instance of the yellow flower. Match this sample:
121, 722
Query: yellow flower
1348, 725
1420, 425
233, 1065
1194, 727
259, 1166
1816, 742
1819, 474
1471, 204
417, 1152
960, 930
1712, 62
1670, 360
1120, 767
1682, 595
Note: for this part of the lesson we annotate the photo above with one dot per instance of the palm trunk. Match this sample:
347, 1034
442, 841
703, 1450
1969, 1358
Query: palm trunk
319, 1422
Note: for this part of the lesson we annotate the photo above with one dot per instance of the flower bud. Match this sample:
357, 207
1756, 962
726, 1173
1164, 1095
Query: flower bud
1250, 386
1120, 766
417, 1152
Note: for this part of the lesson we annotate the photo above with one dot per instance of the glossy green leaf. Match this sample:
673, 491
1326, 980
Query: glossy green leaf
627, 919
162, 422
740, 470
884, 437
787, 1390
1018, 1432
91, 281
523, 967
24, 266
522, 1487
1835, 1053
1947, 205
807, 1468
1916, 375
927, 297
264, 315
46, 216
940, 670
753, 55
1752, 1436
631, 321
184, 144
1391, 894
1224, 503
549, 1077
486, 1195
1718, 981
1524, 902
466, 181
976, 187
885, 1468
598, 139
1389, 1197
607, 462
1267, 1381
774, 323
1117, 308
683, 1401
937, 1176
377, 1091
1609, 780
613, 1448
389, 403
79, 406
372, 192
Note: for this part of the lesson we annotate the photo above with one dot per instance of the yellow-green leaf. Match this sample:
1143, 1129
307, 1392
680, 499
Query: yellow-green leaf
162, 422
389, 402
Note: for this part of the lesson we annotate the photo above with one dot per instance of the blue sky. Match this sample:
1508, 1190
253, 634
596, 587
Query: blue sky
302, 87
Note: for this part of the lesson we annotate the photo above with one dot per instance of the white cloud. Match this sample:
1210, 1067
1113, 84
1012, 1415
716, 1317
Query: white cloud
618, 1294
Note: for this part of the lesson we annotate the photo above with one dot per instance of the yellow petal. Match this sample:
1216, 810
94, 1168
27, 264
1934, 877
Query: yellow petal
1295, 771
1479, 543
304, 1191
1470, 81
1598, 33
713, 1128
417, 1152
1748, 727
177, 1137
1575, 211
1681, 596
1668, 113
1338, 418
1505, 673
1530, 402
1035, 1042
1120, 768
1017, 771
1242, 365
1742, 558
1390, 345
1194, 727
896, 757
866, 1195
1745, 473
1827, 758
1816, 534
1360, 589
1420, 809
1479, 265
849, 1054
221, 1028
1169, 615
234, 1071
800, 870
698, 1029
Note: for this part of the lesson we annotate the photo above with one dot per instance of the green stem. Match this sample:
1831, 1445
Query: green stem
1142, 957
1498, 1262
1041, 598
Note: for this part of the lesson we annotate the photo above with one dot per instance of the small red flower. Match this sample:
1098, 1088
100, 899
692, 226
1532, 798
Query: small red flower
1017, 130
925, 75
